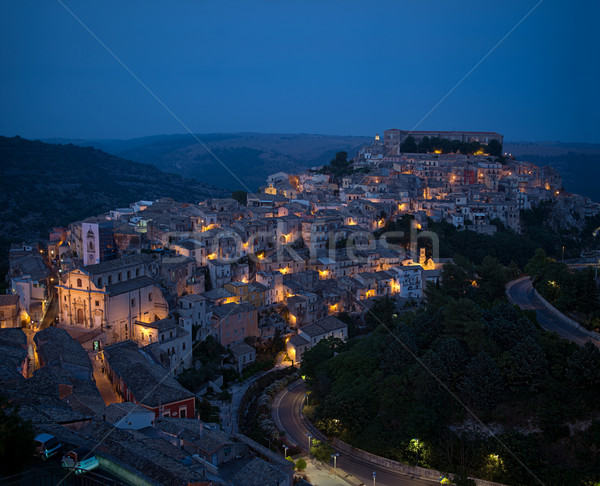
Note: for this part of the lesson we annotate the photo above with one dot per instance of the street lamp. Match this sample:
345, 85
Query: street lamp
374, 474
286, 449
309, 441
335, 456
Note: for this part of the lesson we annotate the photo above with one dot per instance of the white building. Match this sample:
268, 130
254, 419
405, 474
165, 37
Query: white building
111, 296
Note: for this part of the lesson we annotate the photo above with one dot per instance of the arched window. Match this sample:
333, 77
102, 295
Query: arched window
79, 283
137, 272
119, 277
128, 274
100, 282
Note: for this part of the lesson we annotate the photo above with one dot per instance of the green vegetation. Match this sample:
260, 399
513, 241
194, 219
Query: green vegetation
505, 245
569, 291
321, 450
339, 167
441, 145
411, 389
16, 439
240, 196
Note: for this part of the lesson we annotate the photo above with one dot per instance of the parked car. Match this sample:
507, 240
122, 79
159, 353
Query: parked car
46, 446
80, 460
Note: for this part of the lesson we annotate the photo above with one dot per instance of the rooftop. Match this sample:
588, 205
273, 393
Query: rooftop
149, 382
129, 285
57, 347
258, 473
120, 263
8, 299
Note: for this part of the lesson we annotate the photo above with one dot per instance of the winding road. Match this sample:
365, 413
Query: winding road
288, 417
521, 293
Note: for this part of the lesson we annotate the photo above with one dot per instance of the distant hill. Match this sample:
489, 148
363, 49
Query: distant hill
44, 185
251, 156
578, 163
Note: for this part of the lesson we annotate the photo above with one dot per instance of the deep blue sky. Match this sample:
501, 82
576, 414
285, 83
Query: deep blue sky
333, 67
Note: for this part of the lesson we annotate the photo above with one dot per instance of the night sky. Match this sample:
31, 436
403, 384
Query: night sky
331, 67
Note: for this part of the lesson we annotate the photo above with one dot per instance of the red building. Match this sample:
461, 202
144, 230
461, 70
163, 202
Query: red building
470, 176
140, 380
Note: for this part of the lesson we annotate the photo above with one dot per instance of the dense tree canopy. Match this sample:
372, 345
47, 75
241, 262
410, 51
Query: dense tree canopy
411, 377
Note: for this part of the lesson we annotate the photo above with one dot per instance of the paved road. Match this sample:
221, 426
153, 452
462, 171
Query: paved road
523, 295
287, 415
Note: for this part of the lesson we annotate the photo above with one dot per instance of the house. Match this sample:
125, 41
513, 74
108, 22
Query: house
29, 278
9, 311
193, 437
296, 346
244, 355
140, 380
54, 347
309, 336
128, 415
232, 323
175, 273
167, 341
192, 309
14, 363
260, 473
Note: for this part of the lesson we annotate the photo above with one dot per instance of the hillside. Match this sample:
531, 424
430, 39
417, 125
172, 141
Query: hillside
43, 185
251, 156
578, 163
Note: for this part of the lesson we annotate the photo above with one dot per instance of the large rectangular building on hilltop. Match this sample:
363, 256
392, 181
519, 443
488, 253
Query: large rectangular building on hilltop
393, 138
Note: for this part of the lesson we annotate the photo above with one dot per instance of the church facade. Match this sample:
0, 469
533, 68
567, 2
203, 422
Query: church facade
111, 297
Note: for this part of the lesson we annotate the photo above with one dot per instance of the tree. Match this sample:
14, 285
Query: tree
494, 147
300, 464
321, 450
525, 365
204, 408
584, 367
314, 358
16, 439
538, 263
240, 196
482, 384
493, 280
409, 145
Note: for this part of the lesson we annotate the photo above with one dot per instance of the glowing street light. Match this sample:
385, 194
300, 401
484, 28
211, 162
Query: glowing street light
309, 442
374, 475
286, 449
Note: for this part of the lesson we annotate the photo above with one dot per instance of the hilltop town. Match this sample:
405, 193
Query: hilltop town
102, 320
